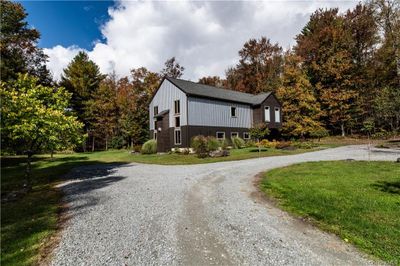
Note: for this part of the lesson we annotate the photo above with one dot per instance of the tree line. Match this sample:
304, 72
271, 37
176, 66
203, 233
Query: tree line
342, 76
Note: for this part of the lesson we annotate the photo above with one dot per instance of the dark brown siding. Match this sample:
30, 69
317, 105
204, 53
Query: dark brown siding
258, 112
163, 136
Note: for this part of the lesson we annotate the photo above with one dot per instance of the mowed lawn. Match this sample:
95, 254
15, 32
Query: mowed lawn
359, 201
28, 223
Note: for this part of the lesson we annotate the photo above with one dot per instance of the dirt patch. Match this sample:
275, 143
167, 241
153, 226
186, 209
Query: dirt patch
51, 243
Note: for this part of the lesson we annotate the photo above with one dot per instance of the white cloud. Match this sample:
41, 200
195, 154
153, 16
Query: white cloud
205, 37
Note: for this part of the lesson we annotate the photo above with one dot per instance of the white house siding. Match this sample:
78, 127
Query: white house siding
164, 99
208, 112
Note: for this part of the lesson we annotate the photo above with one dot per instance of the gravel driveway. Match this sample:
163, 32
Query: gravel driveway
208, 214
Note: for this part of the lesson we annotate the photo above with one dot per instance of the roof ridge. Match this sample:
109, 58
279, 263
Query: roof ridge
230, 90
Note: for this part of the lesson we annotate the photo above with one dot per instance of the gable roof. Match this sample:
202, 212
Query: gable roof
201, 90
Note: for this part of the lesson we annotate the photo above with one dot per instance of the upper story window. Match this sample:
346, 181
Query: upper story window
277, 114
177, 107
233, 111
177, 121
267, 114
155, 110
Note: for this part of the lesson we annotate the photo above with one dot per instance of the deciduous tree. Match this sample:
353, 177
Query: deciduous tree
301, 111
172, 69
35, 118
258, 69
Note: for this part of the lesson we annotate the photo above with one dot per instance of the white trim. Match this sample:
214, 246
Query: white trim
216, 134
277, 114
248, 134
180, 136
237, 134
267, 118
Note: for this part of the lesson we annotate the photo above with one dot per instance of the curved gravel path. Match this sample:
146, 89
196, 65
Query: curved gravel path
139, 214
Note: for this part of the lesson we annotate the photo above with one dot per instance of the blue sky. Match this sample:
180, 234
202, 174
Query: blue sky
204, 36
67, 23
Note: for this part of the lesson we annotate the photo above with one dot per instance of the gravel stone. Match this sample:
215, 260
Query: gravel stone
138, 214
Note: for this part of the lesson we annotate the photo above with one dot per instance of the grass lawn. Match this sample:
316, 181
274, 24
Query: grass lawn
359, 201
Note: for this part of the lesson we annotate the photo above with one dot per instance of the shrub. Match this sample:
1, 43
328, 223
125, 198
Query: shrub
283, 144
304, 145
149, 147
238, 143
268, 144
137, 148
199, 144
250, 143
212, 144
224, 144
319, 133
117, 142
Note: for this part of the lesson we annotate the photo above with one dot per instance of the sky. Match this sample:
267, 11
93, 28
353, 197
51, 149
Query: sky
204, 36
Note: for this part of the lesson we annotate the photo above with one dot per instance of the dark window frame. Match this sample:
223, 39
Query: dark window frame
155, 110
177, 107
222, 132
176, 135
233, 111
177, 118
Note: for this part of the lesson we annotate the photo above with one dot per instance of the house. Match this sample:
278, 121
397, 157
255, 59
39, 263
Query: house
182, 109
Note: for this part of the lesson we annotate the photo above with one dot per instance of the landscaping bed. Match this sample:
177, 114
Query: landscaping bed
358, 201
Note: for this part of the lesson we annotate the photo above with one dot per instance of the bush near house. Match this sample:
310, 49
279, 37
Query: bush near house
200, 146
149, 147
238, 143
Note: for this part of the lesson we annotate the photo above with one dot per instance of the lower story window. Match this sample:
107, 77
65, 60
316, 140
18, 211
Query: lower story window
246, 135
234, 134
155, 134
220, 135
178, 138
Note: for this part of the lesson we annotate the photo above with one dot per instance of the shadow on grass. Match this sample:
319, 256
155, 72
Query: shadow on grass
30, 219
392, 187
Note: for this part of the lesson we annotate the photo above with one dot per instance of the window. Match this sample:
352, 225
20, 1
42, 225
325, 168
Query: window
178, 137
246, 135
155, 125
233, 111
234, 134
277, 114
267, 114
220, 135
177, 107
155, 110
155, 134
177, 121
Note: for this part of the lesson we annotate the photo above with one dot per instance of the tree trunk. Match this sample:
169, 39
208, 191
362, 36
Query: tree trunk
106, 143
342, 128
27, 181
132, 143
92, 143
51, 154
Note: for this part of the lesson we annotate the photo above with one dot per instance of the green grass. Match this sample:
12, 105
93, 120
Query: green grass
27, 224
359, 201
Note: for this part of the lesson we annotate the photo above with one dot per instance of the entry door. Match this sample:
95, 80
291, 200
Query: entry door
163, 138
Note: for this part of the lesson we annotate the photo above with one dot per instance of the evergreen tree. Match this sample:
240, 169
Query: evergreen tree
82, 78
18, 45
301, 111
